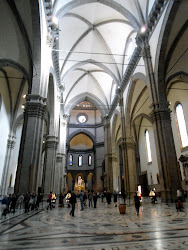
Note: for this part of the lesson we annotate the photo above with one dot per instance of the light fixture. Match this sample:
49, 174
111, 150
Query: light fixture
143, 29
24, 96
55, 20
23, 106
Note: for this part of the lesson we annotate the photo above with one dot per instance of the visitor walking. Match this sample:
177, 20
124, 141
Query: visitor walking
108, 197
95, 196
20, 201
49, 201
61, 197
124, 196
13, 203
73, 203
137, 203
26, 202
82, 199
90, 198
115, 198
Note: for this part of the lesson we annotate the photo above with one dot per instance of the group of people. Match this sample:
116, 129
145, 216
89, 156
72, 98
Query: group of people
28, 201
83, 196
32, 201
92, 198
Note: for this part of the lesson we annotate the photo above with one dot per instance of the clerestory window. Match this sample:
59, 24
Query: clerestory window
89, 160
148, 147
80, 160
70, 160
182, 125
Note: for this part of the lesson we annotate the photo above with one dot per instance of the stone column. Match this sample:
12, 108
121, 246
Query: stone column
129, 146
123, 146
169, 172
108, 181
160, 115
115, 171
5, 180
31, 145
58, 174
50, 166
61, 151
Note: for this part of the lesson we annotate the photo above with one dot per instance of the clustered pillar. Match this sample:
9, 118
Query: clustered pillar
160, 114
108, 180
31, 145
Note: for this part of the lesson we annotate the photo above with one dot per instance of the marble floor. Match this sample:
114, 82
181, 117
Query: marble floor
158, 226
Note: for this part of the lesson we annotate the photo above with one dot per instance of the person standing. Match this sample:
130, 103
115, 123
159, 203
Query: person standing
39, 200
82, 199
95, 196
137, 203
49, 201
26, 202
124, 196
180, 194
73, 203
61, 197
90, 198
20, 201
13, 203
115, 198
108, 197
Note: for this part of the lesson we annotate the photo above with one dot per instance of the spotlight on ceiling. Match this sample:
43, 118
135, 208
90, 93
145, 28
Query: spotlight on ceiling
55, 20
143, 29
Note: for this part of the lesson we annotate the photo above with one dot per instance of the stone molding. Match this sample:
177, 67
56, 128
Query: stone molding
51, 142
11, 142
59, 157
50, 40
35, 106
128, 143
160, 115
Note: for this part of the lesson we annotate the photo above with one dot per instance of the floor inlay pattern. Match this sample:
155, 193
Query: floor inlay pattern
159, 226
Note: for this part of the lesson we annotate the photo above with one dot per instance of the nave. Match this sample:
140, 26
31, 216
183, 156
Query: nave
158, 226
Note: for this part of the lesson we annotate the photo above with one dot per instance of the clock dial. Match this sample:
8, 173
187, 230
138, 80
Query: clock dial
82, 118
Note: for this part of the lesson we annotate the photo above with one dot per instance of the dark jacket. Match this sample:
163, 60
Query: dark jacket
73, 198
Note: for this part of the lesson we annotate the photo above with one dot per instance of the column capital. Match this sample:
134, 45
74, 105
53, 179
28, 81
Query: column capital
59, 157
160, 114
11, 142
121, 100
142, 40
106, 122
51, 141
66, 117
114, 157
35, 106
128, 143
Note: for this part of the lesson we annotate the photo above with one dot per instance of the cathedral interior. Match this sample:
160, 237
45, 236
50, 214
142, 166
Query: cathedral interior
93, 96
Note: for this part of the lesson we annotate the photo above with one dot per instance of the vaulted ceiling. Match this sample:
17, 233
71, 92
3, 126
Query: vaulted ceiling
96, 40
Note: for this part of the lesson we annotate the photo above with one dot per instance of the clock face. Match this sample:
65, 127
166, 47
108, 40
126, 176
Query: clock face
82, 118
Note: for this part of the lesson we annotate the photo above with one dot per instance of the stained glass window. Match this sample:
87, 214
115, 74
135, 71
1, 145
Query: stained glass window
89, 160
148, 148
70, 160
80, 160
182, 125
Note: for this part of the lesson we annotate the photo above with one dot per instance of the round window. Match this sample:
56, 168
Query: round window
82, 118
